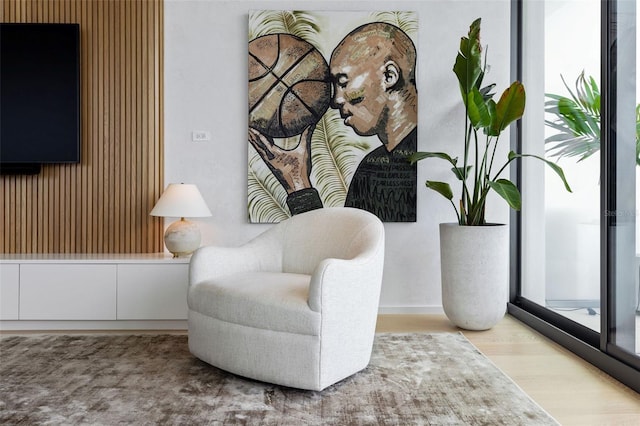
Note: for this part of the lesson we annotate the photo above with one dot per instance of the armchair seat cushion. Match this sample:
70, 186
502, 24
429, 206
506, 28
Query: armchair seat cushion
274, 301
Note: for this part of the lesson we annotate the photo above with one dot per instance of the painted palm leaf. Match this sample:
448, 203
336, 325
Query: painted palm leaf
266, 196
298, 23
335, 157
406, 21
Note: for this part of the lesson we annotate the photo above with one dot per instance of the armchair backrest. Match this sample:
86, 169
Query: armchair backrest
330, 232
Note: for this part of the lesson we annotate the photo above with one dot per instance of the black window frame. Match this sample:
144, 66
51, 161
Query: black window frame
594, 347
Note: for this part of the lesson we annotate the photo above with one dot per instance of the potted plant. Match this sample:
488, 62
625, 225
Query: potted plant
474, 253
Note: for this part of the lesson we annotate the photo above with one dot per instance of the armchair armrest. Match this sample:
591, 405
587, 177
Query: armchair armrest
342, 282
260, 254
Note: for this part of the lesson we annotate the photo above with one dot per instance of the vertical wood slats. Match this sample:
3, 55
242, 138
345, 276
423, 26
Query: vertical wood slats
102, 204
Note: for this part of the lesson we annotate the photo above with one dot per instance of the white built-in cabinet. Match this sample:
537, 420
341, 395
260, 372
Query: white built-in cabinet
72, 291
9, 291
93, 291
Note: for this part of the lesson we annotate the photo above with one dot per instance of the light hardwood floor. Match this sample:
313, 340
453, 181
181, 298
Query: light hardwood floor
573, 391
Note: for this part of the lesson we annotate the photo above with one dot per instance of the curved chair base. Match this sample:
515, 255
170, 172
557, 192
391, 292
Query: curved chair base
270, 356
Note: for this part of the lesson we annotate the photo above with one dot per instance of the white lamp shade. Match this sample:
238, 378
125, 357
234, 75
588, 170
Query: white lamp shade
181, 200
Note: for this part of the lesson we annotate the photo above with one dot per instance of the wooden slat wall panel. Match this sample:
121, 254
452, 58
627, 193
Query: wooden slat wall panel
102, 204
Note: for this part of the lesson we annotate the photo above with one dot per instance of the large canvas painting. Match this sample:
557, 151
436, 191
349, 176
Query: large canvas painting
332, 113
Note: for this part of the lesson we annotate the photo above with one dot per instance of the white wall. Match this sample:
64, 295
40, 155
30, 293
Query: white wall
206, 90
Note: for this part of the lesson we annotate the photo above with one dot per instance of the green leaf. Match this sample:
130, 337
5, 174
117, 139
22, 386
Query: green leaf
469, 60
554, 166
587, 94
491, 107
478, 110
507, 190
459, 172
509, 108
576, 119
441, 188
417, 156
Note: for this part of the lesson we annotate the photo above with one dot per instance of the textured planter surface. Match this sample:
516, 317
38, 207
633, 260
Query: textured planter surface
475, 274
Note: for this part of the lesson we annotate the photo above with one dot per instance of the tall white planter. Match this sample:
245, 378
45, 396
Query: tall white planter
475, 274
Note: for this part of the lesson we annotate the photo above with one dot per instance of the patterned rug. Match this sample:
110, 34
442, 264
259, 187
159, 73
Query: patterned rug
413, 379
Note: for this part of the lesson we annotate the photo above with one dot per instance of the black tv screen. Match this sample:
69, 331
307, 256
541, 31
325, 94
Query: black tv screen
39, 93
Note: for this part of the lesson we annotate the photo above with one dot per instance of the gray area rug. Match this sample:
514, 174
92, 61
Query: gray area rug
413, 379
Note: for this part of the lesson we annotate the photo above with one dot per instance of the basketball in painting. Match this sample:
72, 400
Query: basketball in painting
289, 85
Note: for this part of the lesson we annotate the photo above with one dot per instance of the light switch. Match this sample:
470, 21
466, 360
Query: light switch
200, 136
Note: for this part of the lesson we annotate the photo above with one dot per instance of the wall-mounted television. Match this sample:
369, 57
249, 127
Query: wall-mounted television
39, 95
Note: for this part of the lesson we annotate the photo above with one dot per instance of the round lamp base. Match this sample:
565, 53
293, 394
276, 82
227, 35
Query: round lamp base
182, 238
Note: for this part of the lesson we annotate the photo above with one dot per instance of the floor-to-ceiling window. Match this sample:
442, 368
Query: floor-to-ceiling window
621, 167
576, 275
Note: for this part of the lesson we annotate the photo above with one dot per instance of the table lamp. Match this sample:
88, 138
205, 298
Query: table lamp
181, 200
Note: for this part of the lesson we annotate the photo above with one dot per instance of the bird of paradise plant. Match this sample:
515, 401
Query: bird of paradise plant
482, 114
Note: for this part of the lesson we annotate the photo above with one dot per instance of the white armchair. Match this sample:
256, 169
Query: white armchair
297, 305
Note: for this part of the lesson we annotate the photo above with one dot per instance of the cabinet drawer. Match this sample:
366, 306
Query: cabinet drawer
68, 292
9, 291
153, 291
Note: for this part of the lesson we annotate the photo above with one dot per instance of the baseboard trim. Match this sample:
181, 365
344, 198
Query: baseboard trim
56, 325
27, 325
411, 310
